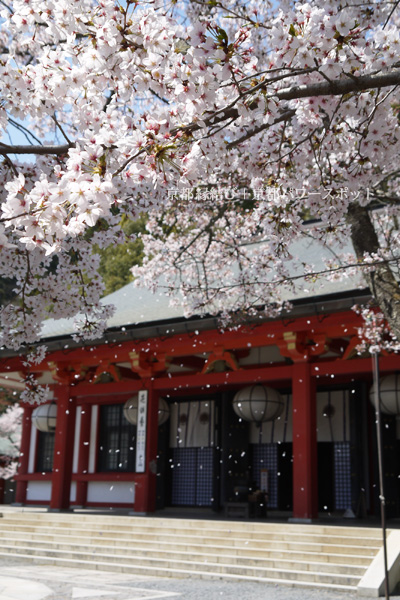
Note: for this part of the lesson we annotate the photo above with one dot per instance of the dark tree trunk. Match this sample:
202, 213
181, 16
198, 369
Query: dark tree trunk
381, 281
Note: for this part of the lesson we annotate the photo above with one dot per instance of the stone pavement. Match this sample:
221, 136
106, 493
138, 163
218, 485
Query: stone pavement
21, 581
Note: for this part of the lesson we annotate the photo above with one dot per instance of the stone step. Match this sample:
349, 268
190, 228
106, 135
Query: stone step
283, 544
286, 543
175, 526
181, 573
113, 519
223, 557
248, 547
200, 532
140, 564
285, 553
156, 545
176, 522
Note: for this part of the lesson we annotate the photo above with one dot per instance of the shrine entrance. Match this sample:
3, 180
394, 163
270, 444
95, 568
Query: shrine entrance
192, 463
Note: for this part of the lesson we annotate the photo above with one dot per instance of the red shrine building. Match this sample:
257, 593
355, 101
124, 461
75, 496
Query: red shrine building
165, 411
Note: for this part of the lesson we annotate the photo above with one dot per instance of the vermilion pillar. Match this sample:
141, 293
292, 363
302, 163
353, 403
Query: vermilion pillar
83, 453
20, 494
63, 449
305, 463
145, 488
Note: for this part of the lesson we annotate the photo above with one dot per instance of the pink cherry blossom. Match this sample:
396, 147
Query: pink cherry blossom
258, 116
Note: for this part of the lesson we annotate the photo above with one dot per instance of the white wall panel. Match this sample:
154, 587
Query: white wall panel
93, 438
111, 491
76, 441
72, 495
32, 450
39, 490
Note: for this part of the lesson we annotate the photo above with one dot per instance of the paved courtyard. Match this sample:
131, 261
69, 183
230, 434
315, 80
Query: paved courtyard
21, 581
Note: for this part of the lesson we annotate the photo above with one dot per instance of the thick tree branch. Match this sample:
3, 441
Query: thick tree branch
381, 281
324, 88
339, 87
42, 150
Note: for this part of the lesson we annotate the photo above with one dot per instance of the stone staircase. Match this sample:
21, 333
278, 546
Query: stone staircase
292, 554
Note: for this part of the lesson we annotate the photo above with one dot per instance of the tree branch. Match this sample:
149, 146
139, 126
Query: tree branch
6, 5
339, 87
396, 4
286, 116
28, 134
323, 88
61, 129
42, 150
306, 276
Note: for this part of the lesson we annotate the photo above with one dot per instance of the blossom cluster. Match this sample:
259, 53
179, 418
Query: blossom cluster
10, 429
118, 103
34, 393
375, 335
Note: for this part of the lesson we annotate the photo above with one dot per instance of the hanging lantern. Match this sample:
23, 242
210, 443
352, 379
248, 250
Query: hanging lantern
44, 417
163, 411
258, 403
389, 394
131, 409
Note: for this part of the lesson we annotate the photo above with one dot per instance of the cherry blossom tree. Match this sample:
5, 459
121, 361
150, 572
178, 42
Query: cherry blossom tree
10, 430
226, 122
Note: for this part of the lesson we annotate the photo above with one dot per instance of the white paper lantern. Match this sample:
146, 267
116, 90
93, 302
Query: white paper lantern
389, 389
131, 409
258, 404
44, 417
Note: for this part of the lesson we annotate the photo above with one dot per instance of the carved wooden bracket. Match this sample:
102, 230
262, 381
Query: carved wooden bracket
303, 345
351, 349
220, 355
67, 373
146, 364
106, 368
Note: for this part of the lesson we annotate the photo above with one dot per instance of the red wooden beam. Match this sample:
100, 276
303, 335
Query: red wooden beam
33, 477
242, 376
268, 333
63, 450
83, 453
20, 496
354, 366
112, 476
305, 472
100, 393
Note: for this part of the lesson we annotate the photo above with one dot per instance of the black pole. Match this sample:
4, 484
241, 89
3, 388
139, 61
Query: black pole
377, 397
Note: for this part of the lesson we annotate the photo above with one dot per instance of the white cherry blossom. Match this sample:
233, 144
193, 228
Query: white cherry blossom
120, 103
